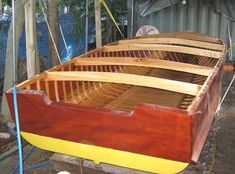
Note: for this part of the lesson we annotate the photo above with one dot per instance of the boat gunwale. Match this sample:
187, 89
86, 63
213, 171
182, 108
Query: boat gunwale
205, 87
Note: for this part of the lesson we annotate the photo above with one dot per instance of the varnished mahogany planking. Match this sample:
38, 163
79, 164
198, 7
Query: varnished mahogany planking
149, 130
204, 113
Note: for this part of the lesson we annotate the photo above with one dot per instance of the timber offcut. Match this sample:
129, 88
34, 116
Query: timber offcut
145, 103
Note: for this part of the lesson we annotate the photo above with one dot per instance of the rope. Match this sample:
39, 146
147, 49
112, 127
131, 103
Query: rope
230, 84
230, 47
218, 109
226, 92
213, 157
65, 44
110, 14
49, 29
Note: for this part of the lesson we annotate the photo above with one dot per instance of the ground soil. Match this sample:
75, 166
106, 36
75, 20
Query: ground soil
6, 144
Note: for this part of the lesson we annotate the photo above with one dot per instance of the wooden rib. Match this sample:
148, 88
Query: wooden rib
28, 87
78, 89
108, 92
38, 85
178, 41
29, 82
170, 48
64, 91
71, 88
145, 62
47, 89
130, 79
56, 91
64, 88
83, 86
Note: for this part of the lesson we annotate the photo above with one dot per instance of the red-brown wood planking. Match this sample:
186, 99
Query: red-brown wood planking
149, 130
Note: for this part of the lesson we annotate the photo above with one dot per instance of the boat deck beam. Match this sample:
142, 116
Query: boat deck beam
124, 78
176, 41
164, 47
146, 62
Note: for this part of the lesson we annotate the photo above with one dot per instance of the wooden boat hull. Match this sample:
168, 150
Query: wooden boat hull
101, 131
102, 136
152, 137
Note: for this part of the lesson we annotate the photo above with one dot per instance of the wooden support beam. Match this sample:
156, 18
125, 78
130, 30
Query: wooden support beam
177, 41
29, 9
123, 78
162, 47
0, 7
98, 24
145, 62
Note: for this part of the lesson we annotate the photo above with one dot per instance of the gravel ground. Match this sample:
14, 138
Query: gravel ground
6, 144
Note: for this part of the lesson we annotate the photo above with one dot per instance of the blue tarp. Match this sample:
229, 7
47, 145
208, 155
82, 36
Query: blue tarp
3, 44
75, 42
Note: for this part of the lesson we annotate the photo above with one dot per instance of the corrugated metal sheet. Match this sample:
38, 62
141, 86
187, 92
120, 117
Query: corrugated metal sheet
194, 16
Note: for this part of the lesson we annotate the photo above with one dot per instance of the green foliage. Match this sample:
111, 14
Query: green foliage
118, 8
77, 8
6, 2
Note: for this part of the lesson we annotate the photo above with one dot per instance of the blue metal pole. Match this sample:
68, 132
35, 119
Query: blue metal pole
25, 157
20, 154
37, 165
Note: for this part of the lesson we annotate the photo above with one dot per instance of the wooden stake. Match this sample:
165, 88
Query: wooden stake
29, 9
98, 24
0, 7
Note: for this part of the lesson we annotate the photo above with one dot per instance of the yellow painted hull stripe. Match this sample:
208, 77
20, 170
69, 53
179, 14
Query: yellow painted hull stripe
106, 155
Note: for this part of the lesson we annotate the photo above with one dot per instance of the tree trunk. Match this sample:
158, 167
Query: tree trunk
52, 16
31, 39
8, 77
0, 7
